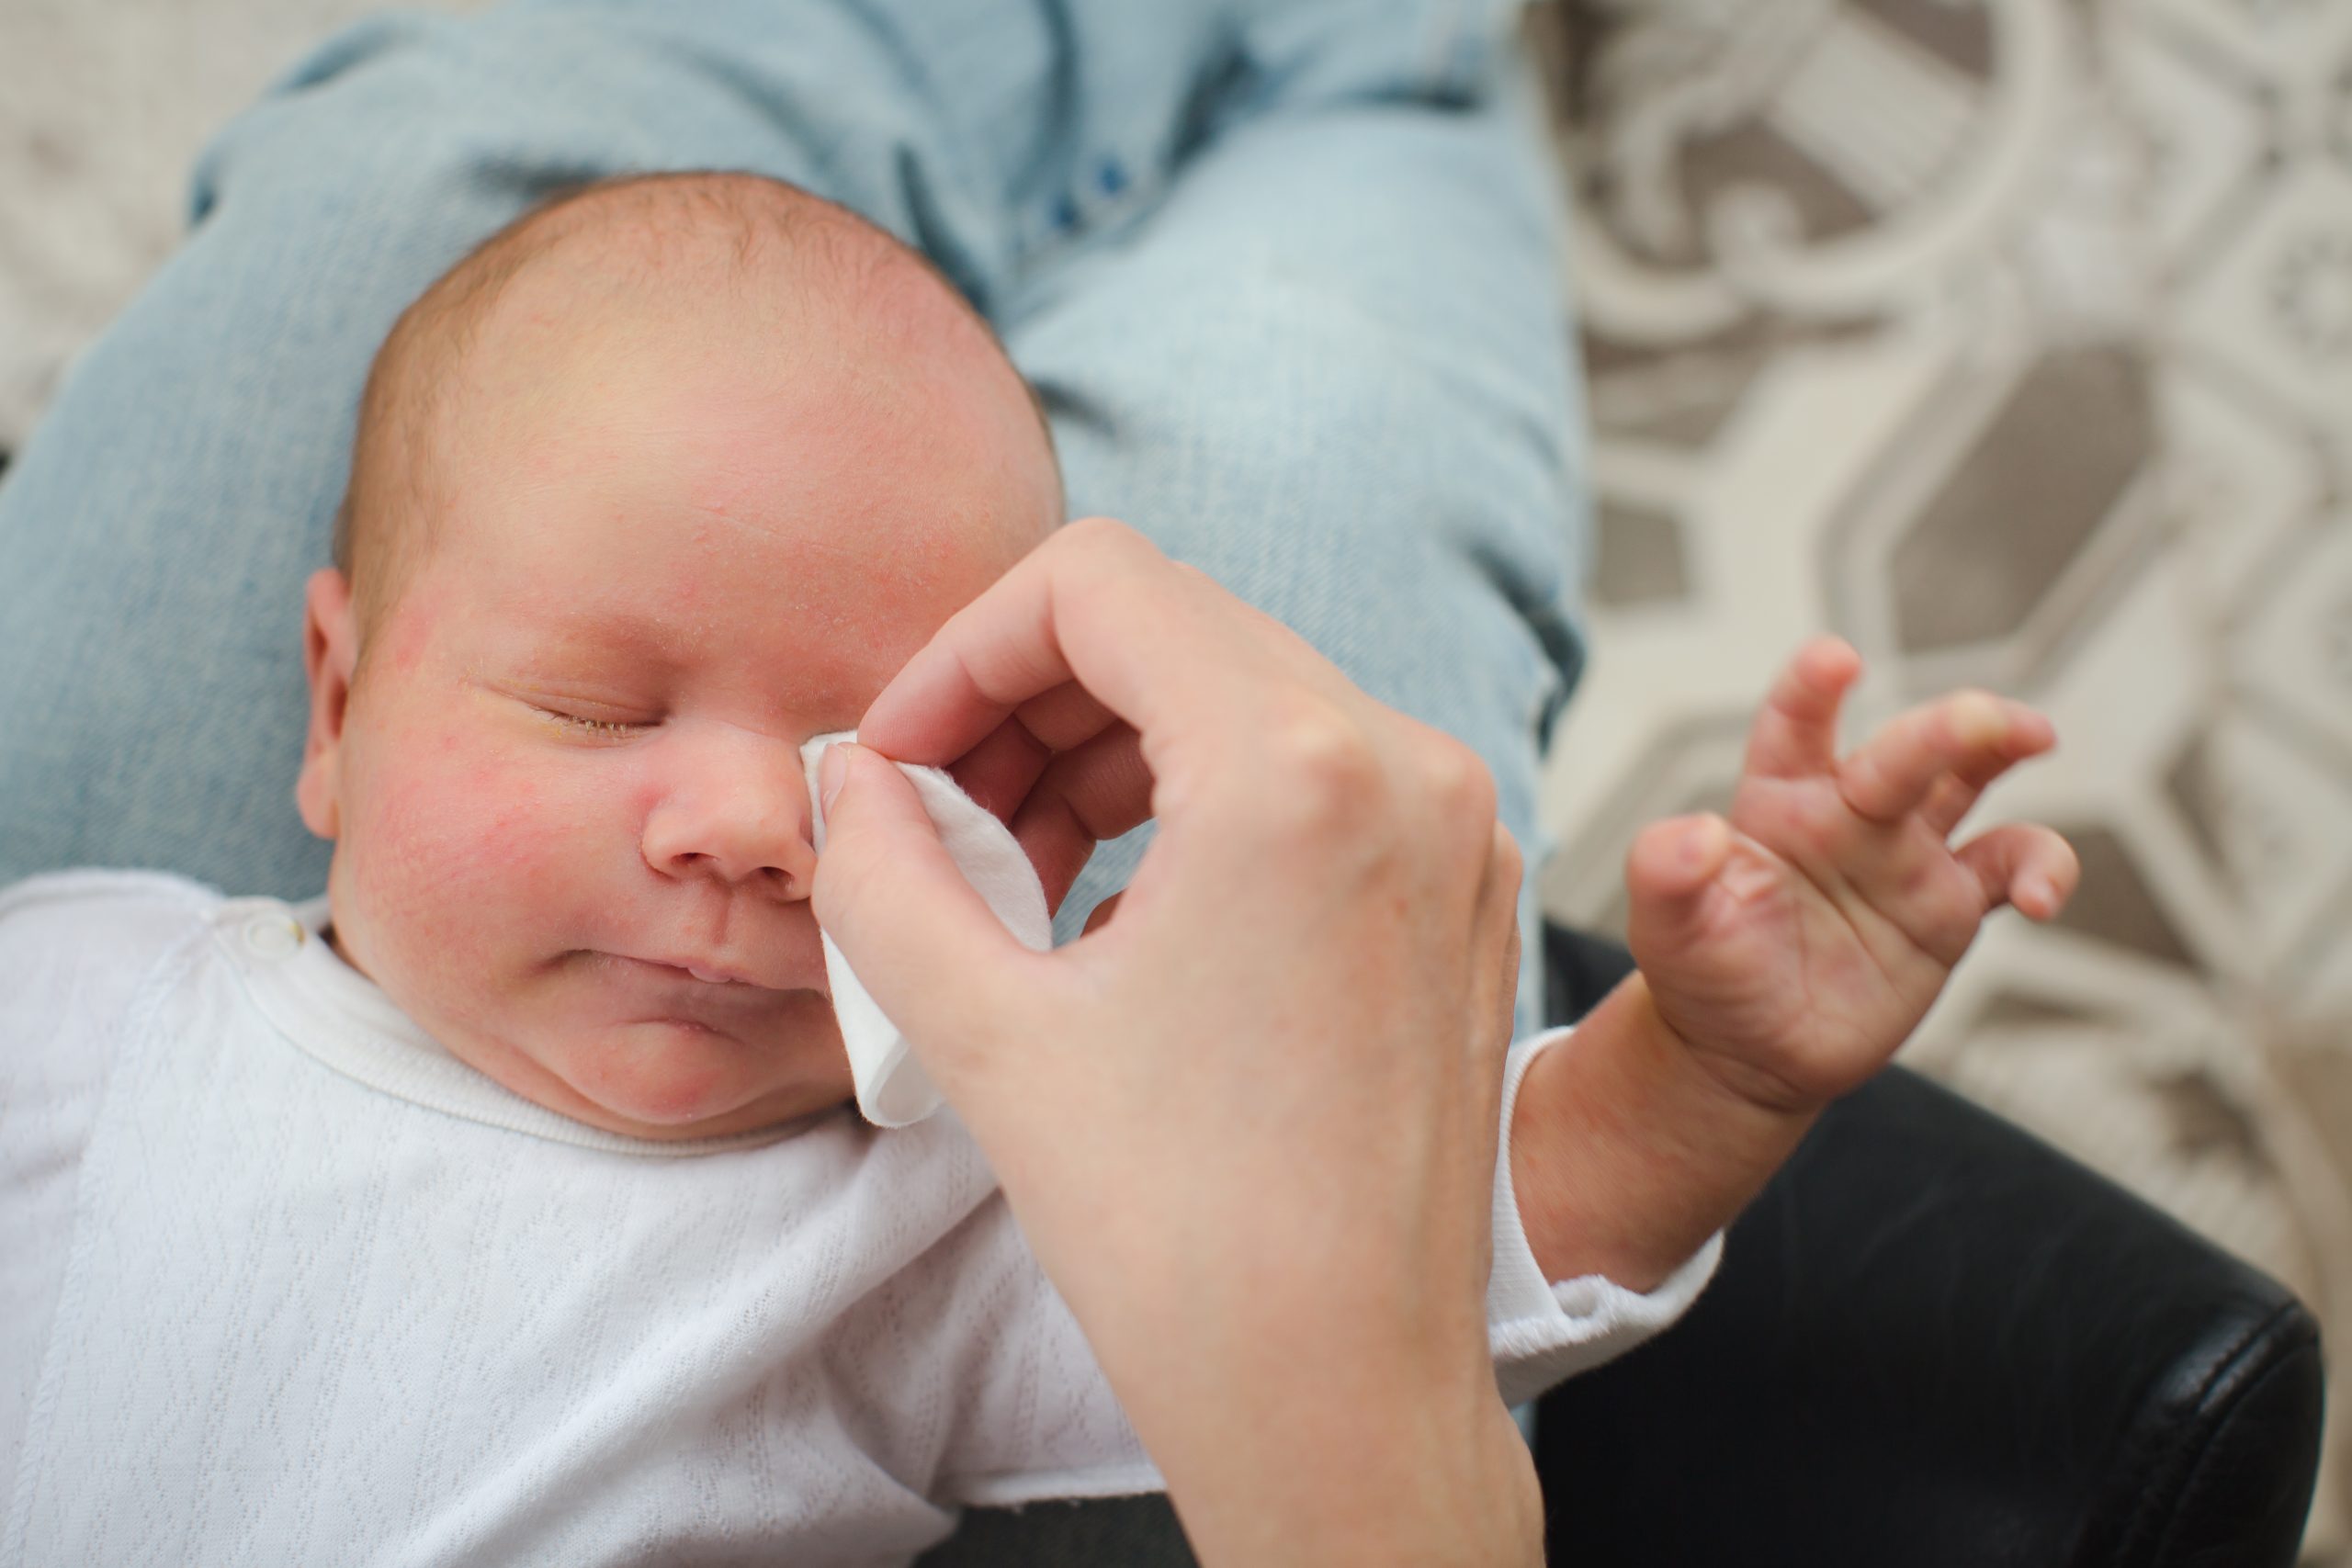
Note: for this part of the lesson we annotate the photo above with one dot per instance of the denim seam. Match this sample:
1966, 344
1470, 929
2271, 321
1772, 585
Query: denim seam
1440, 74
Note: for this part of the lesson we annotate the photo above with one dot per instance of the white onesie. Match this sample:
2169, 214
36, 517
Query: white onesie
283, 1281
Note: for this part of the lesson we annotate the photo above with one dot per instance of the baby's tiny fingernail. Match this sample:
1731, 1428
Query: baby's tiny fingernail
1977, 720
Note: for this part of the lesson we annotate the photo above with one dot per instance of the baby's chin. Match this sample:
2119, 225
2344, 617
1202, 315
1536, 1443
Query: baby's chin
633, 1051
675, 1078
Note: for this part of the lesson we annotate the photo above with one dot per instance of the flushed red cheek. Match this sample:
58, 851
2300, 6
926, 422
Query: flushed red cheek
480, 856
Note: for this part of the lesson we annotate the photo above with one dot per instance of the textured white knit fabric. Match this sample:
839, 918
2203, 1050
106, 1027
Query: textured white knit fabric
892, 1089
282, 1281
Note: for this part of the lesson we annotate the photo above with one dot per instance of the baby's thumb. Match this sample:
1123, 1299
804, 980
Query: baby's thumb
926, 946
1668, 872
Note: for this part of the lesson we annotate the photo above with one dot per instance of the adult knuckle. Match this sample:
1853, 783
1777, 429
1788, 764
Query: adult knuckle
1511, 861
1462, 782
1210, 599
1324, 764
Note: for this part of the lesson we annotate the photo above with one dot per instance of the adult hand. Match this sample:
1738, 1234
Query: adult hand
1248, 1124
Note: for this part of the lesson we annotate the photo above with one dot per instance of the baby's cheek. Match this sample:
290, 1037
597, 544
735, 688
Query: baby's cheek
478, 855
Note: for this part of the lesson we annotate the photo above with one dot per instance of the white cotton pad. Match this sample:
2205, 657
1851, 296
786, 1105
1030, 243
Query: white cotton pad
892, 1089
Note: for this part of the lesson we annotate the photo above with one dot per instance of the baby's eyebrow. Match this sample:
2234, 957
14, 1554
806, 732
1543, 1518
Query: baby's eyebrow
600, 635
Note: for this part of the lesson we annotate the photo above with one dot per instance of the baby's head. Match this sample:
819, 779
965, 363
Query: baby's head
659, 483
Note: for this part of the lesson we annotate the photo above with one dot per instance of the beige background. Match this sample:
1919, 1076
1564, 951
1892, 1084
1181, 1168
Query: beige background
2011, 339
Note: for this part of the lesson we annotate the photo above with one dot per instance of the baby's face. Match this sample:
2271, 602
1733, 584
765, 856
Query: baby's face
572, 829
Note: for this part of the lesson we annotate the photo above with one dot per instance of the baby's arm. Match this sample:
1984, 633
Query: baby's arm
1784, 955
1625, 1155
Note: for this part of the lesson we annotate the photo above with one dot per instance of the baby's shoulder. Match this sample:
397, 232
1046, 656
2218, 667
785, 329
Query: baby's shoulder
109, 909
75, 942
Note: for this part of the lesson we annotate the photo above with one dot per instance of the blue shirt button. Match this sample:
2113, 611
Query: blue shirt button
1112, 178
1064, 213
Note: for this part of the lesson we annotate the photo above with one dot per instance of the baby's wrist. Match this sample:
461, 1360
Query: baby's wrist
1743, 1083
1713, 1089
1628, 1150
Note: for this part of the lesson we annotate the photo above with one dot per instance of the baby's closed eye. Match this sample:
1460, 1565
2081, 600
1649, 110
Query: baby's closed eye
585, 724
576, 710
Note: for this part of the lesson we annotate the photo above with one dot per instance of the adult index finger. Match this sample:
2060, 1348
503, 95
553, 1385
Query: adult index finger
1158, 645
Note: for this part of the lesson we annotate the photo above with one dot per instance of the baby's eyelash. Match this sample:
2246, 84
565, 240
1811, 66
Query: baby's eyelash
605, 726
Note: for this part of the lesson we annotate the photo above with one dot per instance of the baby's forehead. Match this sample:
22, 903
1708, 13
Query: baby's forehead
652, 278
690, 294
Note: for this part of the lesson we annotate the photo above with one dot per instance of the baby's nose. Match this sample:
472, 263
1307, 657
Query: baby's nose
744, 820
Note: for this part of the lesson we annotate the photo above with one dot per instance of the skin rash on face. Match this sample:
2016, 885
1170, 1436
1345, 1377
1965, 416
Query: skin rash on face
572, 829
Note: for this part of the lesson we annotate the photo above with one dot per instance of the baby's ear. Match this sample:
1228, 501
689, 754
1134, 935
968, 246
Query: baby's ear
330, 654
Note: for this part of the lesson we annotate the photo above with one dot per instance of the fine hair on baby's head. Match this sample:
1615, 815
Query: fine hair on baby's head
664, 479
744, 247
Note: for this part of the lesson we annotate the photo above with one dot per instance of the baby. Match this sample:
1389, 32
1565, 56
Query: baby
366, 1229
654, 487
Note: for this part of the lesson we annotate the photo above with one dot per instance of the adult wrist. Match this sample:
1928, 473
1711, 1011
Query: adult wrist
1392, 1489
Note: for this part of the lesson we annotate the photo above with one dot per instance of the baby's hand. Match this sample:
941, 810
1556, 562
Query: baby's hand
1796, 946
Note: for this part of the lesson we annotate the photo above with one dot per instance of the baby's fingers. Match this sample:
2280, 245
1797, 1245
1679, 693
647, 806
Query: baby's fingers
1955, 795
1970, 736
2022, 864
1795, 732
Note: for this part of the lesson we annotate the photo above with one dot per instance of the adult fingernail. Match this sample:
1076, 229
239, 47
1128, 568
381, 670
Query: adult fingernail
830, 772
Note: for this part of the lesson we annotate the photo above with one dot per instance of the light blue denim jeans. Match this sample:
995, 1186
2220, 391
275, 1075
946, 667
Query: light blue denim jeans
1287, 274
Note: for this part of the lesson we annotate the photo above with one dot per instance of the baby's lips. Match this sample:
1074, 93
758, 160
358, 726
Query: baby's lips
714, 972
718, 977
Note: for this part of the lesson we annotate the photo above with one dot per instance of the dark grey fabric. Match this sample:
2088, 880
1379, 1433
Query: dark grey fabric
1133, 1532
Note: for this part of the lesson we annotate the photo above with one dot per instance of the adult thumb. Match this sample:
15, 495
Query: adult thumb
922, 941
